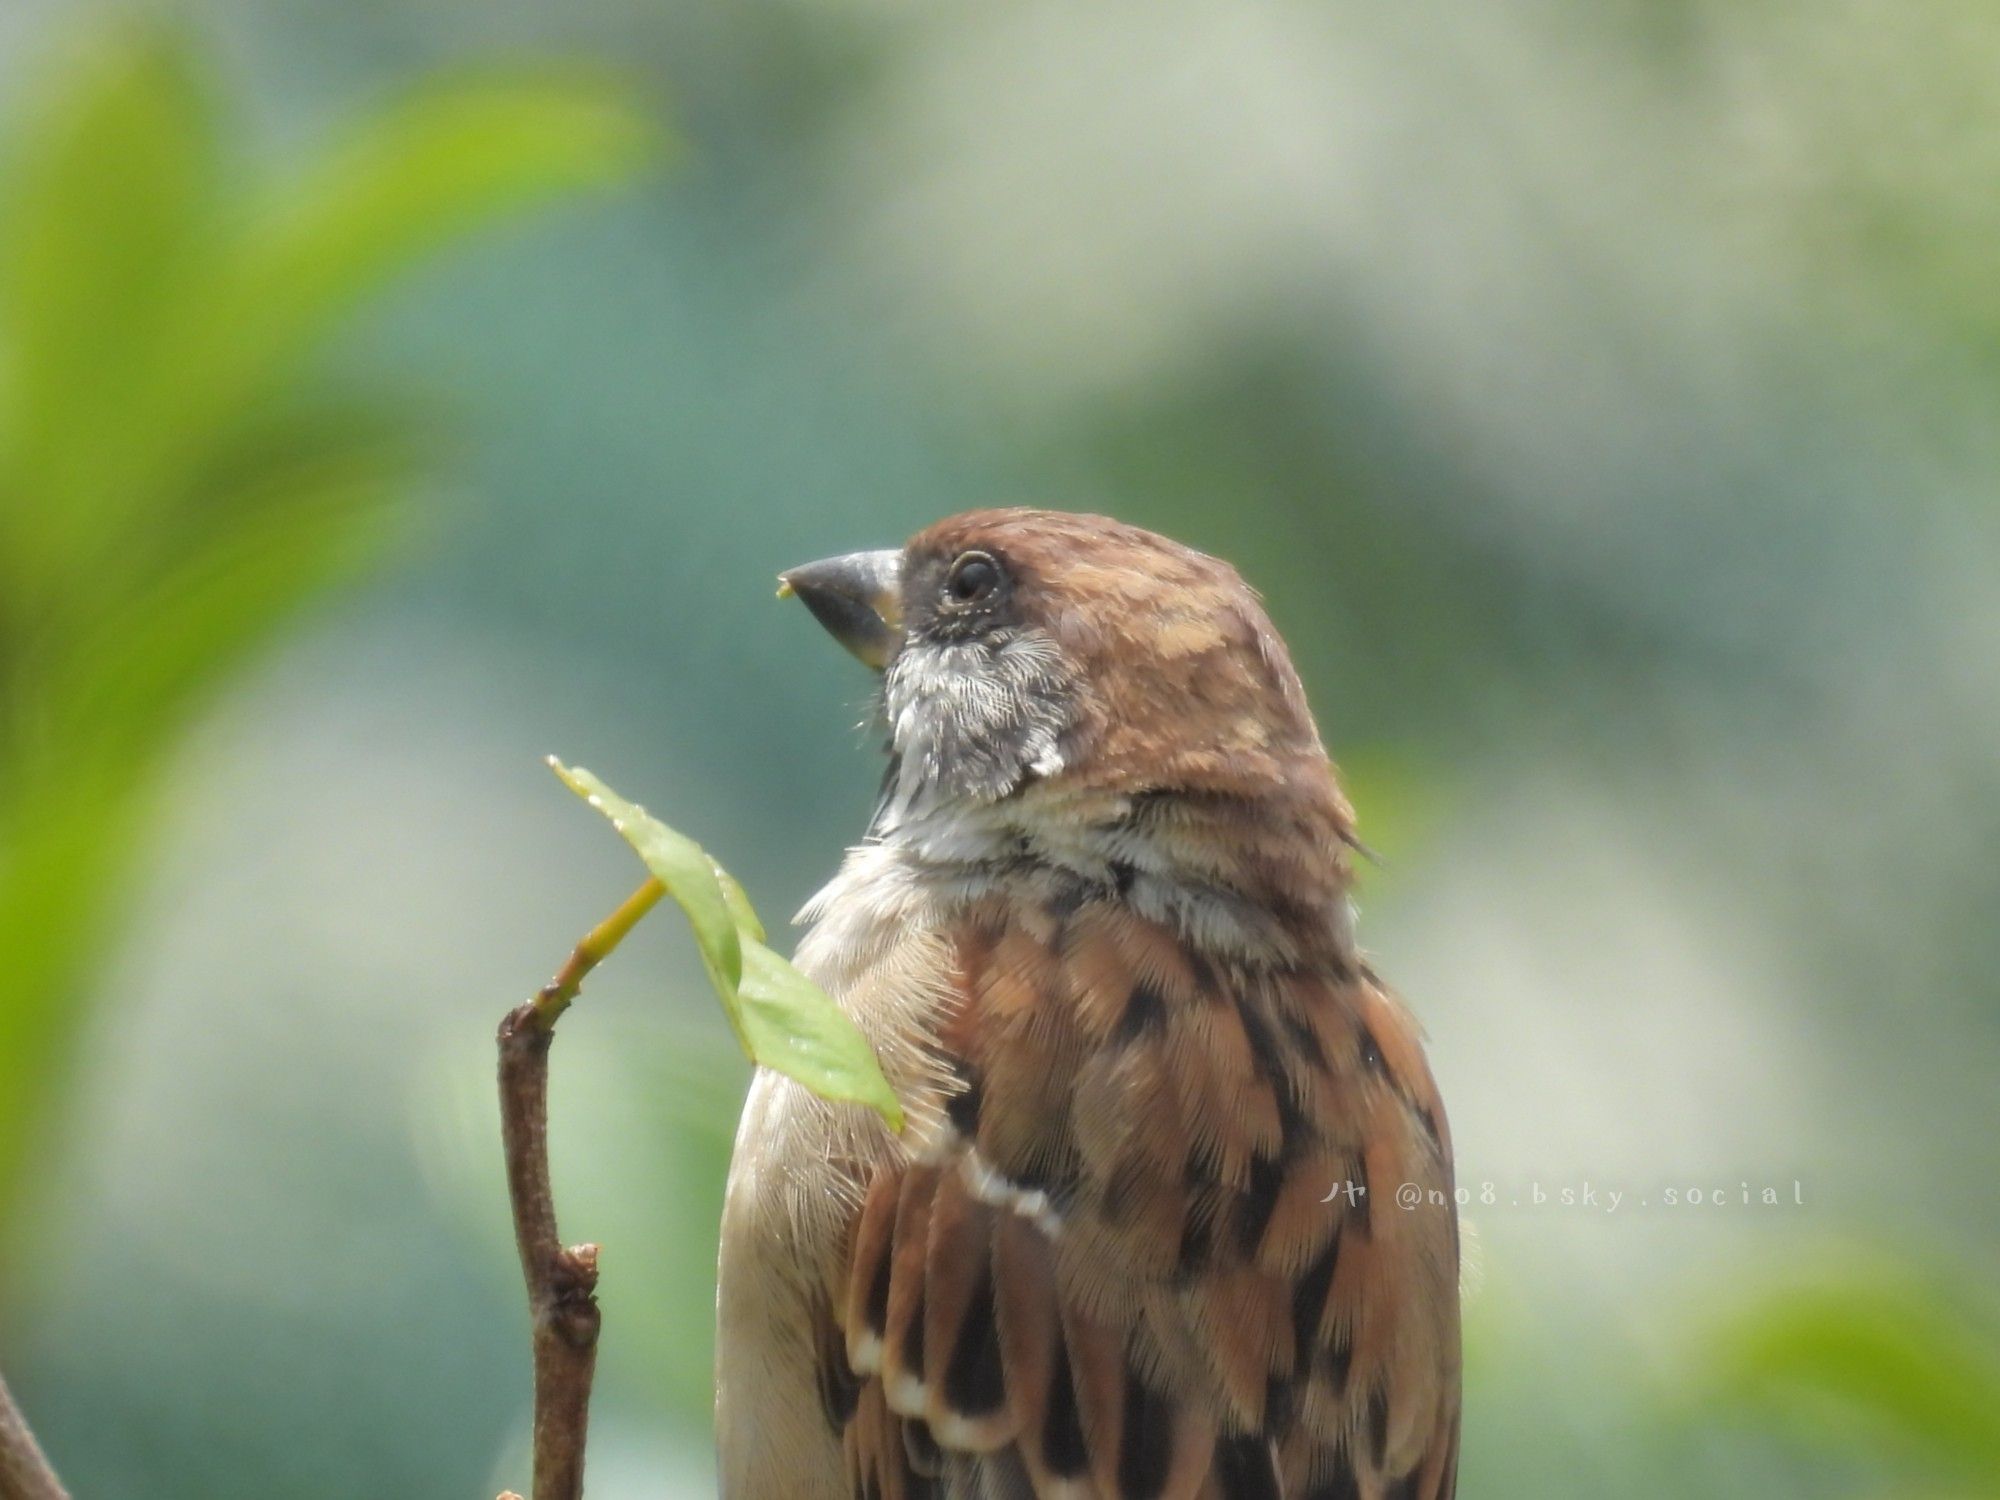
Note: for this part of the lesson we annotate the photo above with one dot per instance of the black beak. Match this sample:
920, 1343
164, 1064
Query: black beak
858, 598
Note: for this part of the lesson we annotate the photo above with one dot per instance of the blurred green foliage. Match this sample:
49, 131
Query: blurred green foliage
1882, 1362
179, 475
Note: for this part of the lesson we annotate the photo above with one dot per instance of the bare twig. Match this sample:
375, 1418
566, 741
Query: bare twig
562, 1283
24, 1471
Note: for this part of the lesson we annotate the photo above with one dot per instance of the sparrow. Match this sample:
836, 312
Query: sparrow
1143, 1235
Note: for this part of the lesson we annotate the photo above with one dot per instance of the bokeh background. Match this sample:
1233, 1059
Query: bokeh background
1603, 393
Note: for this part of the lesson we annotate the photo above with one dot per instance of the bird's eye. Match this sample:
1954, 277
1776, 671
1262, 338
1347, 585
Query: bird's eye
973, 577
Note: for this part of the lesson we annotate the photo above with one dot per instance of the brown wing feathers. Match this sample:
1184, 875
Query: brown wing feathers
966, 1396
1118, 1276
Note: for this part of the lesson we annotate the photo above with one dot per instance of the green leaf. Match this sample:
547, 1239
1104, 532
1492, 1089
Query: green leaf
107, 211
679, 864
63, 854
739, 904
144, 324
299, 523
73, 810
450, 158
795, 1028
784, 1021
178, 482
1877, 1356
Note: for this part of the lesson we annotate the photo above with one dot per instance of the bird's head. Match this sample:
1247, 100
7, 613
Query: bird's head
1037, 650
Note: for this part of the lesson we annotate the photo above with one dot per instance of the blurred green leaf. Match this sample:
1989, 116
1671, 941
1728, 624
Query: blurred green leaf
784, 1021
1880, 1358
422, 173
177, 479
106, 211
438, 166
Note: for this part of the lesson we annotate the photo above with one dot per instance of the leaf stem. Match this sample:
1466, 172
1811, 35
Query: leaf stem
555, 996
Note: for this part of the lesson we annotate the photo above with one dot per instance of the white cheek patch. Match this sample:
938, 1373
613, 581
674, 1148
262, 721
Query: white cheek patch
970, 721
